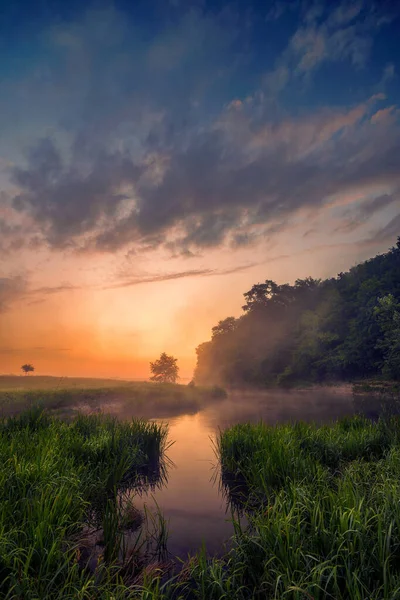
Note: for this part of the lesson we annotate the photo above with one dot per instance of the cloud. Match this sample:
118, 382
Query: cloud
12, 289
339, 36
354, 218
149, 152
17, 288
49, 290
389, 233
69, 201
385, 114
327, 34
179, 275
222, 184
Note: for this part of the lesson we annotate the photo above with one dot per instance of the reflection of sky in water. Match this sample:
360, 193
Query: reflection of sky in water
191, 501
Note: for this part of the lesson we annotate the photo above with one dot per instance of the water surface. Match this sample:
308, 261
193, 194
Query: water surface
191, 499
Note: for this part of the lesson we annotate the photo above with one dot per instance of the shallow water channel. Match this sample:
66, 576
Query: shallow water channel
191, 499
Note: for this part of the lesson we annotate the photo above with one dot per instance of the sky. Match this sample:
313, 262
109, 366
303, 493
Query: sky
158, 158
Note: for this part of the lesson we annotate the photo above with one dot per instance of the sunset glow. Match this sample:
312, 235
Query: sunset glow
153, 169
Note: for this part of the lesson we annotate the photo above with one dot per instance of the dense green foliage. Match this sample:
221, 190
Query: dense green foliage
57, 482
341, 328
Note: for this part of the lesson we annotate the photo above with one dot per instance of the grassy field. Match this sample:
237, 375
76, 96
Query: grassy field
42, 382
69, 395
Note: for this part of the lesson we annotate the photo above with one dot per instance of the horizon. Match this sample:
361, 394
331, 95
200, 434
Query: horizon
157, 160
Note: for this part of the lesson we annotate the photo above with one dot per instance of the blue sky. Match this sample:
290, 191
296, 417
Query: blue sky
183, 139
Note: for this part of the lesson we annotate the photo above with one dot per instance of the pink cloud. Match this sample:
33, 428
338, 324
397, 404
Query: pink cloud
385, 115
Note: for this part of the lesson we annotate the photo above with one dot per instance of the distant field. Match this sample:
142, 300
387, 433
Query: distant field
144, 399
42, 382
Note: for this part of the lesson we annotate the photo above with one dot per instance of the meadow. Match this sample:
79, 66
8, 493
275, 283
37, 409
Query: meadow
67, 396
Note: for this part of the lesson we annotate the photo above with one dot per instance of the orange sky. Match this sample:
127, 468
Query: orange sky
86, 317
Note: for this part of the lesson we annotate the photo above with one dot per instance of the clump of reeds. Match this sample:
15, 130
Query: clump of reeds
55, 478
324, 512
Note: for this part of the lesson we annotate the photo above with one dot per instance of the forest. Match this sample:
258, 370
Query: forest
344, 328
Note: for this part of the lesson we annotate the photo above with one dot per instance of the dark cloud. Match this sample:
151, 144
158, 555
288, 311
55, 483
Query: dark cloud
147, 156
238, 174
69, 202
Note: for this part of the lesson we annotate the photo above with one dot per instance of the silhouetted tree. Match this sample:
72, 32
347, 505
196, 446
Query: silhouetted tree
165, 369
28, 368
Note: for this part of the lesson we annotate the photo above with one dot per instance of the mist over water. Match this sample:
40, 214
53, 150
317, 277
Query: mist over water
191, 499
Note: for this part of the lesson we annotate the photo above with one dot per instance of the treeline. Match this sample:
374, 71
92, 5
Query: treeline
343, 328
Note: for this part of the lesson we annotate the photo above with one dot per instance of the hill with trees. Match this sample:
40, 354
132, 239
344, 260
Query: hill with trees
343, 328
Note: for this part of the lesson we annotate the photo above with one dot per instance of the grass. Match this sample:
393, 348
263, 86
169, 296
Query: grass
323, 513
67, 395
48, 382
59, 483
322, 507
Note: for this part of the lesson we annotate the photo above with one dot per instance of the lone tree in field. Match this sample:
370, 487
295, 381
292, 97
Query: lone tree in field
165, 369
28, 368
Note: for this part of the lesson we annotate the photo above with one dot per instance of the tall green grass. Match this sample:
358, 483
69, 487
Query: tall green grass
58, 482
323, 513
323, 506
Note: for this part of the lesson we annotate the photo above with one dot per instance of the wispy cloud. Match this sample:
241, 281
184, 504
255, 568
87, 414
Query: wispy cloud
178, 275
57, 289
353, 218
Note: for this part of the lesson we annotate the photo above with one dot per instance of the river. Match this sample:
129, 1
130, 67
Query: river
191, 499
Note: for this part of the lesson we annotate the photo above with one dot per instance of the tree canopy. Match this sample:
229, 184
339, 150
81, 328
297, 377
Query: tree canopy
27, 368
342, 328
165, 369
